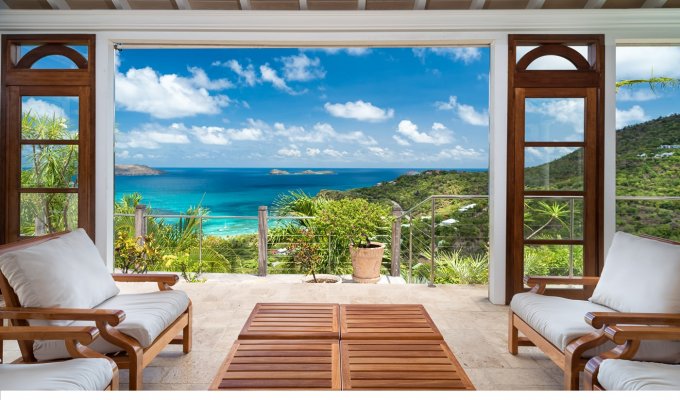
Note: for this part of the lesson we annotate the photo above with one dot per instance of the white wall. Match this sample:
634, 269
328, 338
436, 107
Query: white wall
352, 28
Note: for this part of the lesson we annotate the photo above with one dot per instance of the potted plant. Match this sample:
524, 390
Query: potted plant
306, 255
357, 221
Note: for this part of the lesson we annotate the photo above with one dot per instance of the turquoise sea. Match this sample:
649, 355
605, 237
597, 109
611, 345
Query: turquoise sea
238, 191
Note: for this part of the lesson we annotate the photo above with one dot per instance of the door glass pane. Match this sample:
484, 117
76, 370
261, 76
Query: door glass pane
553, 260
553, 218
49, 117
49, 166
43, 213
553, 168
554, 120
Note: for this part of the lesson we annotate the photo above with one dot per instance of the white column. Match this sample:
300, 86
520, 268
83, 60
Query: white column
609, 140
104, 150
498, 154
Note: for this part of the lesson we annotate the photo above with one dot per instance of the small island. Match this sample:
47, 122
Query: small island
305, 172
136, 170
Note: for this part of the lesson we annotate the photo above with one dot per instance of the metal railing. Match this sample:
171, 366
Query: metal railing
436, 226
275, 255
427, 235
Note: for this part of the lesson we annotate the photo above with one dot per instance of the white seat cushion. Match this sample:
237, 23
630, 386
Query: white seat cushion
638, 375
76, 374
640, 275
557, 319
147, 315
65, 272
562, 321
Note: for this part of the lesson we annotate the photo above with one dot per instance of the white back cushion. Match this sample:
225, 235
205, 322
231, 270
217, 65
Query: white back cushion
640, 275
65, 272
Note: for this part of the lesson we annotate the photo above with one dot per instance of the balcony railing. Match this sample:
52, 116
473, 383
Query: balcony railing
417, 236
440, 236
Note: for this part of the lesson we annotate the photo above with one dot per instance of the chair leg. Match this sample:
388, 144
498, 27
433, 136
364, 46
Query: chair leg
513, 335
187, 338
136, 371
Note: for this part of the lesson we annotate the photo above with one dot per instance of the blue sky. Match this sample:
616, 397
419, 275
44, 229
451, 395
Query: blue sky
380, 107
356, 107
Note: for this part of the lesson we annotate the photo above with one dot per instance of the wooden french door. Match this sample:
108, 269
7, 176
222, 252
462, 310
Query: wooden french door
555, 161
47, 135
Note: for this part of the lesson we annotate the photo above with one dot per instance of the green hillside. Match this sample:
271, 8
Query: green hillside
648, 164
648, 158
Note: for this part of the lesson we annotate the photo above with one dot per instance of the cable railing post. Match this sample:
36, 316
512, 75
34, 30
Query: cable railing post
396, 240
410, 247
262, 231
140, 223
200, 241
432, 244
571, 236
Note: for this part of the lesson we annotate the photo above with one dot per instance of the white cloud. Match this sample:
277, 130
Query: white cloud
201, 80
465, 54
565, 111
168, 96
439, 134
352, 51
270, 75
380, 151
247, 74
151, 136
291, 151
302, 68
123, 154
334, 153
633, 115
359, 110
640, 62
254, 131
41, 108
462, 153
312, 152
296, 133
356, 137
213, 135
465, 112
628, 94
401, 141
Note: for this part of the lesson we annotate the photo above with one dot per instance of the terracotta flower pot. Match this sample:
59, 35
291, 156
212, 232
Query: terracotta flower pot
366, 262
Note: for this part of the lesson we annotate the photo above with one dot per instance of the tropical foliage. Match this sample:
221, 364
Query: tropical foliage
48, 166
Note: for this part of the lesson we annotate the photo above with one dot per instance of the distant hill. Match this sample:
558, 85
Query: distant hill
135, 170
648, 158
648, 164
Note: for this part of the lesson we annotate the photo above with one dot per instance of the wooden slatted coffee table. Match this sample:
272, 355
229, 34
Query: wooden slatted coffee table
280, 365
309, 346
401, 364
292, 321
387, 321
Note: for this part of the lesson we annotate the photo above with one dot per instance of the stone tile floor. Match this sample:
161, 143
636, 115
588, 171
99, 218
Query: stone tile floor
475, 329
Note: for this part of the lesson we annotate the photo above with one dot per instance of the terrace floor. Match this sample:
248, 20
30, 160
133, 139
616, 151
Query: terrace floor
475, 329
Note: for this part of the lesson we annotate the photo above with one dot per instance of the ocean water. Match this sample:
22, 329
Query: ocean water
238, 191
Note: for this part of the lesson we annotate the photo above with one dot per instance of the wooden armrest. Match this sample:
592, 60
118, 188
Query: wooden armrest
600, 319
167, 279
111, 317
83, 334
561, 280
621, 334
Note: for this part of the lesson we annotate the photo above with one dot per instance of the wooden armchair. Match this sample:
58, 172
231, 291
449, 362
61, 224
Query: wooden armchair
570, 359
619, 373
556, 325
70, 374
127, 341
